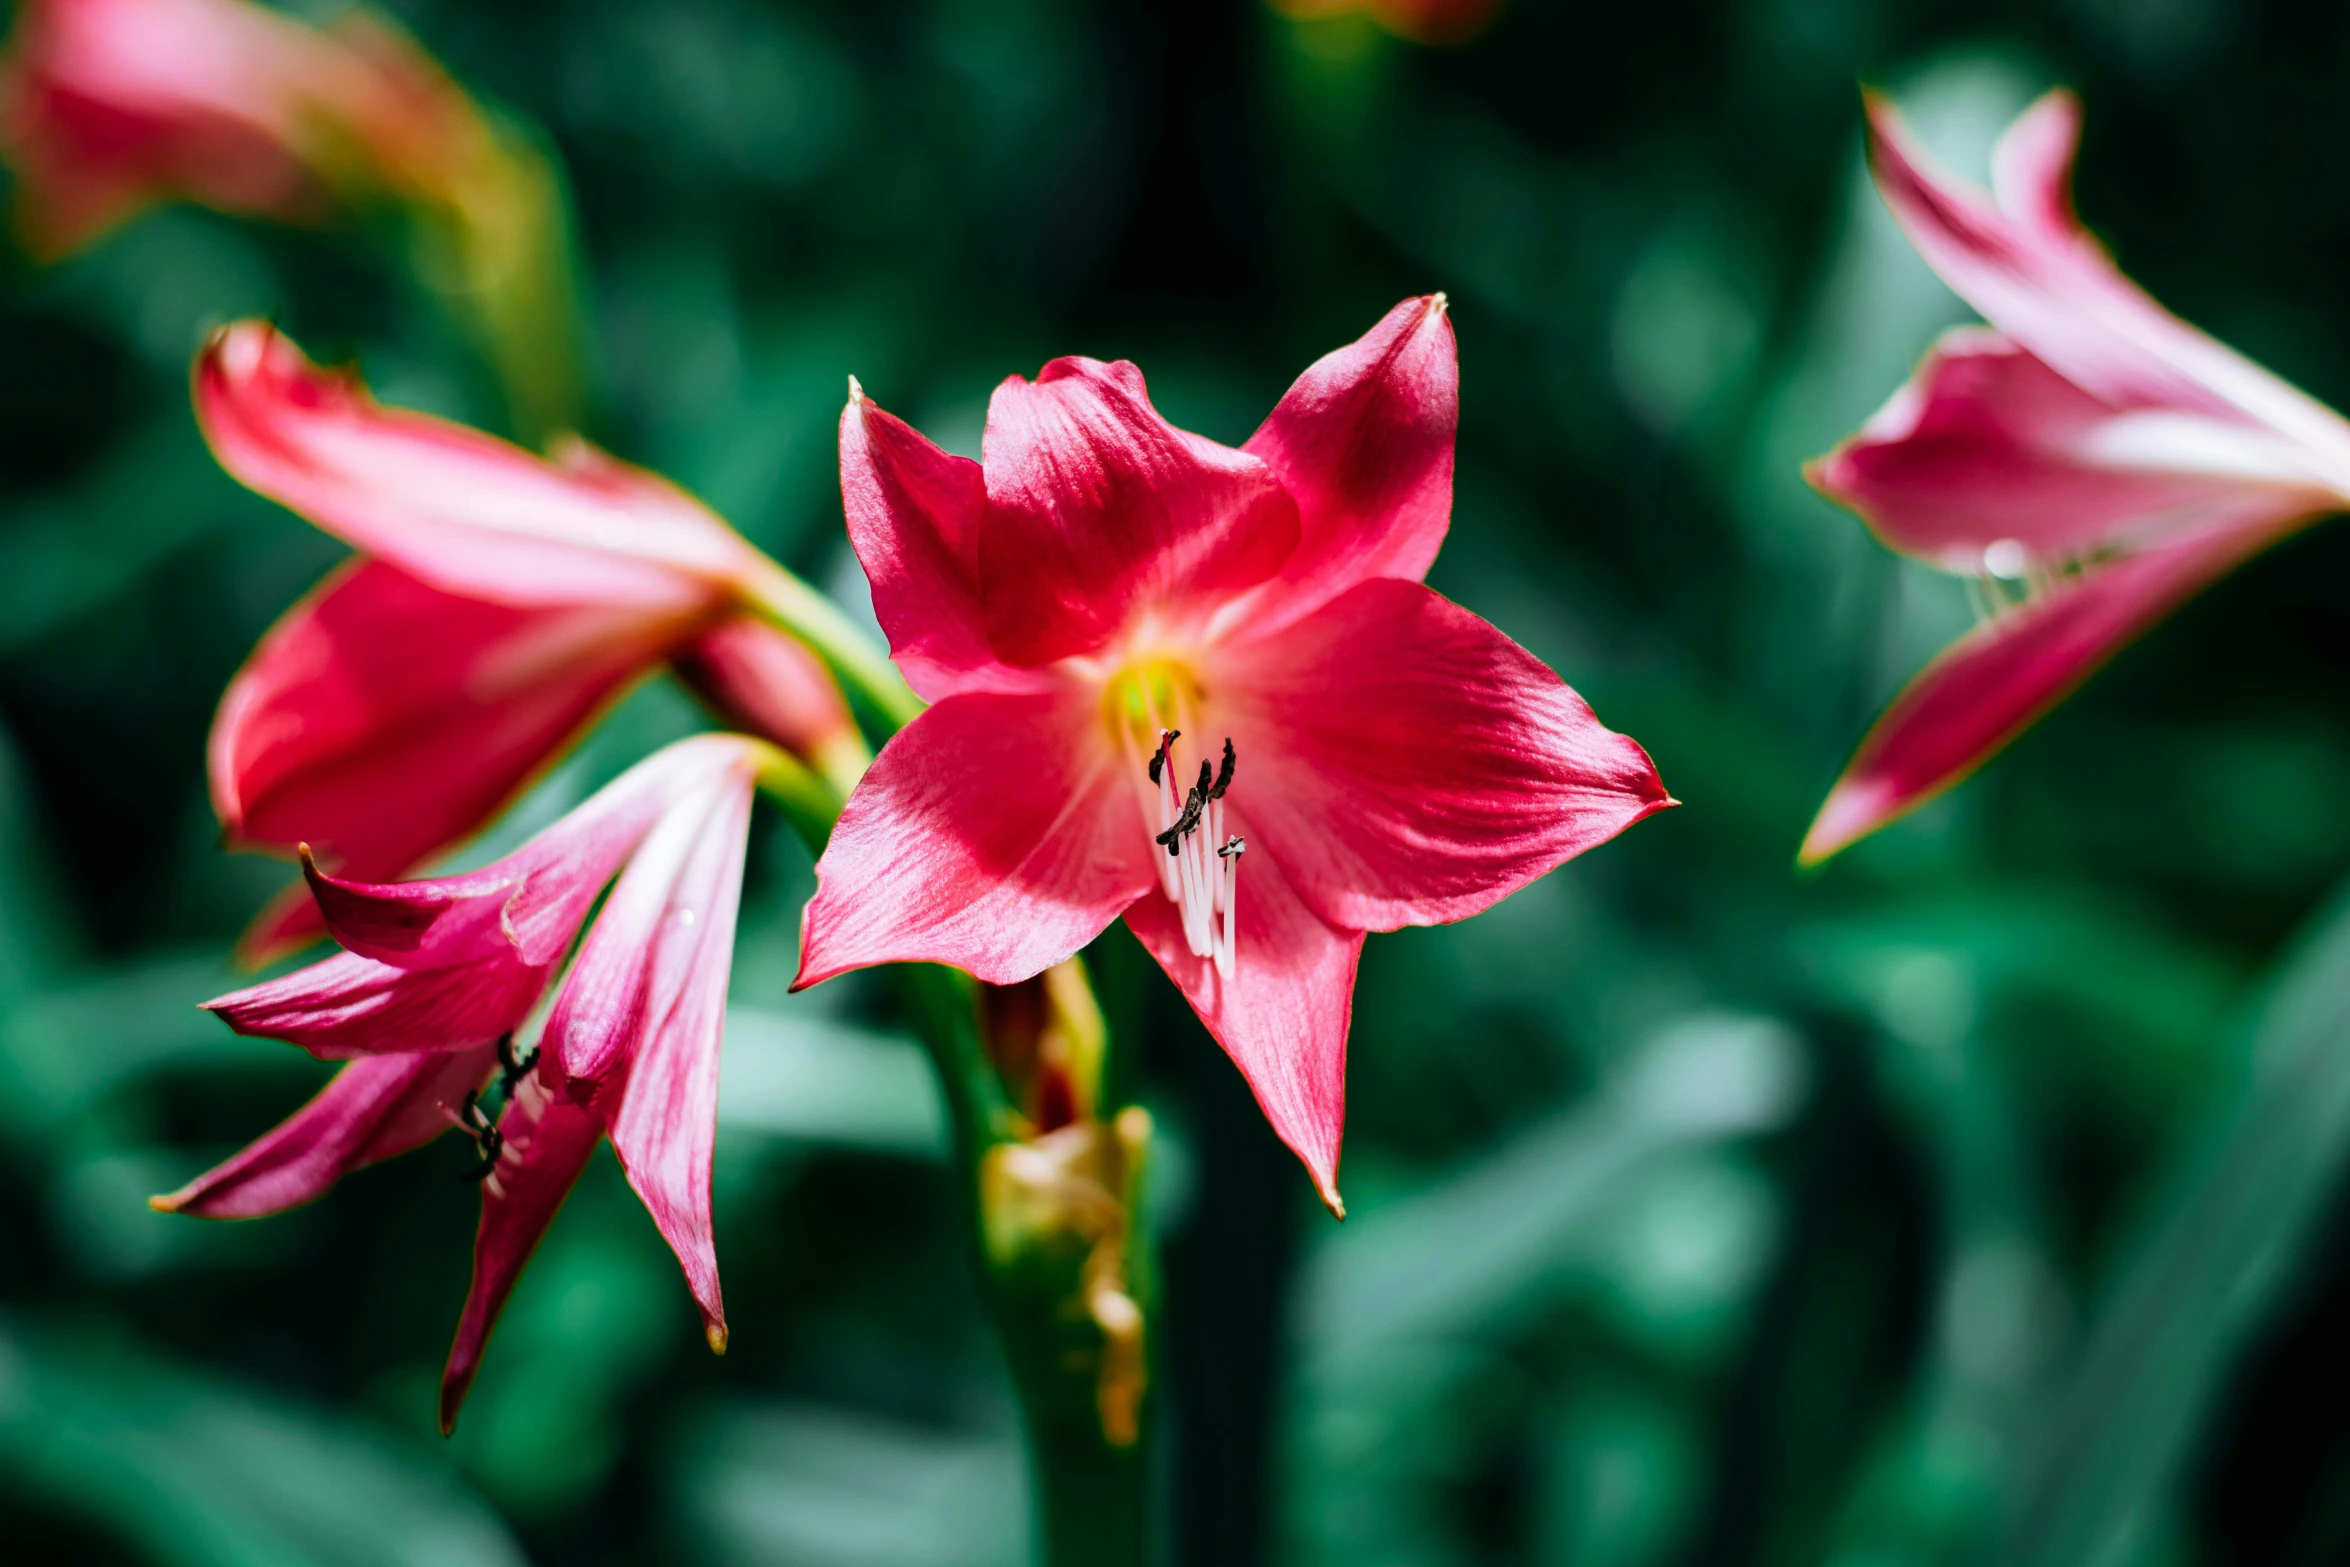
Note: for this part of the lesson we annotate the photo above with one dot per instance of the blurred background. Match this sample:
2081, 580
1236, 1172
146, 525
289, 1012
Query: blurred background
1977, 1199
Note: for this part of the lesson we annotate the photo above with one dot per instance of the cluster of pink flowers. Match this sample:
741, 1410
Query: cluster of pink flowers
1151, 661
1147, 655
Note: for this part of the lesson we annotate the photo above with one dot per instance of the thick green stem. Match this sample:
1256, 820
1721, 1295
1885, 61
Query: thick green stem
1040, 1253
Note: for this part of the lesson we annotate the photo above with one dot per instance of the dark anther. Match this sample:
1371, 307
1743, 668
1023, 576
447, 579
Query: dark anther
1232, 847
1167, 739
1223, 774
483, 1123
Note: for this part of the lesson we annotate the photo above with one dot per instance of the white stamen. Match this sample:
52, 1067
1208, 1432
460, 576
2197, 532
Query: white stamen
1197, 875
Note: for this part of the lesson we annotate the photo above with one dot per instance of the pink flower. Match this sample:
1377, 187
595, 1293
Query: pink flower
436, 978
504, 603
2088, 447
1150, 653
111, 105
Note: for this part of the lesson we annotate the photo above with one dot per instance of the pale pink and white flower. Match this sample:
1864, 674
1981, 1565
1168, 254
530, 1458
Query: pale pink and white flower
437, 978
2091, 458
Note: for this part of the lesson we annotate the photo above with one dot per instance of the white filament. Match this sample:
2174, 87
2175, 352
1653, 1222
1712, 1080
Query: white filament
1202, 876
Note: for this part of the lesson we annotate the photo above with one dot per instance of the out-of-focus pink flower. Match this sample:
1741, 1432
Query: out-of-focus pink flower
1149, 653
1421, 21
110, 105
2088, 453
438, 975
504, 602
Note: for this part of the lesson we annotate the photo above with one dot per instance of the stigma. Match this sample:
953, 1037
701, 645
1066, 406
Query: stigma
1199, 870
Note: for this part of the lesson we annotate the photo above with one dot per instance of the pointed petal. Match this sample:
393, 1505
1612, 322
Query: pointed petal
526, 907
372, 1109
1987, 449
1283, 1016
466, 512
1989, 686
382, 721
1363, 442
763, 682
993, 833
637, 1028
348, 1006
914, 518
2038, 277
1099, 510
548, 1141
1409, 764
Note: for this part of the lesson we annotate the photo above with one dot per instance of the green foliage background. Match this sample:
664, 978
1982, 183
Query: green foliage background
1979, 1199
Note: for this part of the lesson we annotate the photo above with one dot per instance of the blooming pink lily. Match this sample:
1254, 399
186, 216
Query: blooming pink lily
436, 978
504, 602
1204, 689
2088, 453
110, 105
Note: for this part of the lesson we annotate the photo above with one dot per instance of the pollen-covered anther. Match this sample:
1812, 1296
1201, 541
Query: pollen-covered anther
1198, 879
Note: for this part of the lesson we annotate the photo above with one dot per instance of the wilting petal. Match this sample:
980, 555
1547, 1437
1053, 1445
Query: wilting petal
349, 1006
636, 1030
383, 721
547, 1143
1363, 443
1283, 1015
1408, 764
462, 510
914, 515
372, 1109
993, 833
1986, 688
1098, 510
2034, 273
1987, 448
764, 683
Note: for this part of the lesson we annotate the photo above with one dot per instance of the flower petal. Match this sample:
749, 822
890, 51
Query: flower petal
1989, 686
1283, 1016
1363, 443
547, 1143
636, 1030
349, 1006
1408, 764
765, 683
382, 721
372, 1109
464, 511
1100, 510
914, 519
526, 907
2036, 275
1988, 448
993, 833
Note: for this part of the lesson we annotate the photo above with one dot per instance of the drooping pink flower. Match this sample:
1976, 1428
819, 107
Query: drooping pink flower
505, 601
436, 978
1157, 662
2087, 450
109, 105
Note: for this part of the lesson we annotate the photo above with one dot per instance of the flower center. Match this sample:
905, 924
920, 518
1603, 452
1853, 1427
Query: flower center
1199, 867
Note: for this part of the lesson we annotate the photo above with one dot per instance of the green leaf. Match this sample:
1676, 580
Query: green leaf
201, 1472
2222, 1246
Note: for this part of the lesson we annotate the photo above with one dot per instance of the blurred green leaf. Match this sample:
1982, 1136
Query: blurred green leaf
199, 1472
2221, 1245
809, 1079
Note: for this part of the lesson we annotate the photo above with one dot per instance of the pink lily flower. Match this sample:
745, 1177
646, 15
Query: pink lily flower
109, 105
503, 604
1149, 653
436, 978
2088, 454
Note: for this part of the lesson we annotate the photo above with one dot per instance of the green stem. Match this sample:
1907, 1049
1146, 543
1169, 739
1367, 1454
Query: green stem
863, 670
1092, 1500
